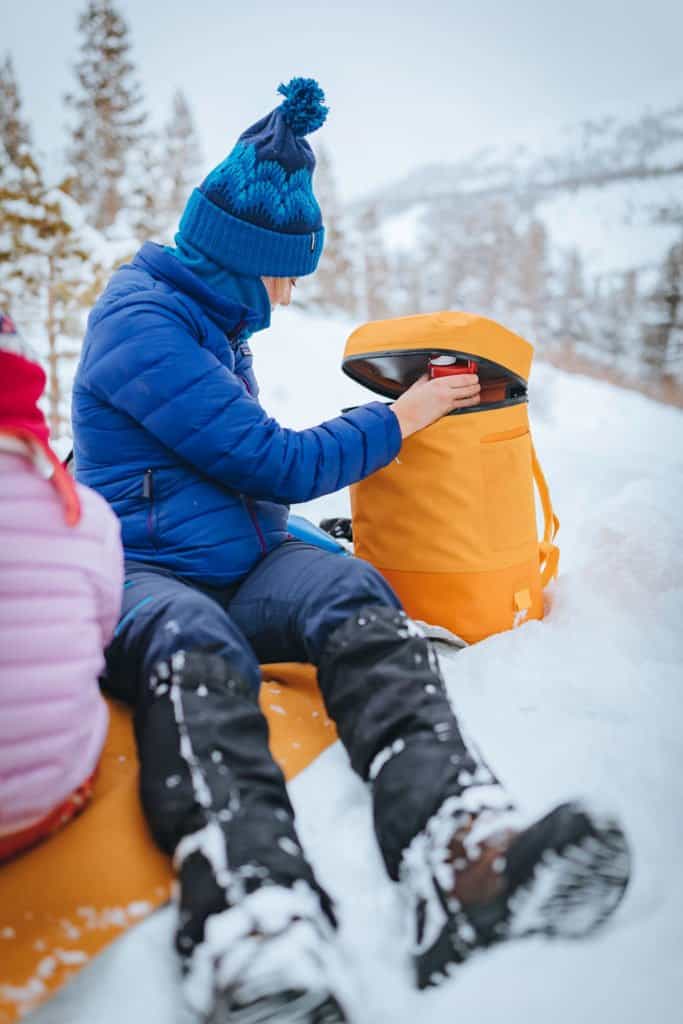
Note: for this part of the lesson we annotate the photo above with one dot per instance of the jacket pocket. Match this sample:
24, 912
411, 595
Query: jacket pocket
148, 493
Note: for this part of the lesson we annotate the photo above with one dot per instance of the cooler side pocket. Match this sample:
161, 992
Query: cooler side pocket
510, 510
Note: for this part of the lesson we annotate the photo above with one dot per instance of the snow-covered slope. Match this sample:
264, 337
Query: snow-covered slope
616, 227
571, 156
590, 701
576, 241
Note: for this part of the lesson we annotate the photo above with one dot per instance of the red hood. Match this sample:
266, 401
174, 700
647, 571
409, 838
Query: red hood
22, 384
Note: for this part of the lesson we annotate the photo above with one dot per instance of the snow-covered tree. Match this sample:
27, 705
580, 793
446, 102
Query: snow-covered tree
108, 114
572, 299
147, 211
75, 273
663, 337
14, 130
467, 256
21, 189
533, 274
438, 264
498, 251
374, 263
50, 271
333, 285
21, 193
182, 158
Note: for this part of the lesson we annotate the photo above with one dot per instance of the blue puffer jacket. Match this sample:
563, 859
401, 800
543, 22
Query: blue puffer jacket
168, 427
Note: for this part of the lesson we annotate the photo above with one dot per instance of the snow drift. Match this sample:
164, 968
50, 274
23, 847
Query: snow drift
587, 702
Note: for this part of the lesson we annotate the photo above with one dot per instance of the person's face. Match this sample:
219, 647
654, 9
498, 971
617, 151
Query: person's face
279, 290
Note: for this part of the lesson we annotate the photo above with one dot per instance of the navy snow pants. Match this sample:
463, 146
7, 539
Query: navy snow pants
187, 657
284, 610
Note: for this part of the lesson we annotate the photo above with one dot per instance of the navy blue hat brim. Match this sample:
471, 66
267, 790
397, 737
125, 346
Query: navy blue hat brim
247, 248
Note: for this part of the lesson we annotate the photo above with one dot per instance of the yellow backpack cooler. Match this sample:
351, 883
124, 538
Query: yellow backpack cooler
451, 522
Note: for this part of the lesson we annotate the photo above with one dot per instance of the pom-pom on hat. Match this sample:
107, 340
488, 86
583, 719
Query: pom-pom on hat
255, 213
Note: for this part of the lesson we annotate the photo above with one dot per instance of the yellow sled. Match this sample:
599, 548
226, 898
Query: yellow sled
70, 896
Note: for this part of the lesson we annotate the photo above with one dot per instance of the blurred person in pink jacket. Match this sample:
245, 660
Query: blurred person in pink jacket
61, 575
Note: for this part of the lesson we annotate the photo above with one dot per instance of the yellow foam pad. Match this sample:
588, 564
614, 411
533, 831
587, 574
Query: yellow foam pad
67, 898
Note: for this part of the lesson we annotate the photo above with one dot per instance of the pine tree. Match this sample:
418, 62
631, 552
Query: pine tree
148, 213
21, 195
572, 300
375, 266
618, 334
439, 264
504, 248
109, 120
73, 279
409, 285
183, 156
14, 131
663, 337
333, 285
533, 278
48, 277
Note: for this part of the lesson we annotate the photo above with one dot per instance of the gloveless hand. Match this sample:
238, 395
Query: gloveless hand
428, 400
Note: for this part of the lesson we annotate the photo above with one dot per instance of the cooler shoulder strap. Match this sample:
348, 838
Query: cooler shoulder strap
548, 551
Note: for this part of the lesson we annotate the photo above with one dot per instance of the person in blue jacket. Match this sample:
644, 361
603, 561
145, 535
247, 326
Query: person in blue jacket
168, 426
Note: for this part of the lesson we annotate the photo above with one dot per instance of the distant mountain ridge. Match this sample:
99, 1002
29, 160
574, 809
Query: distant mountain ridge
595, 153
578, 248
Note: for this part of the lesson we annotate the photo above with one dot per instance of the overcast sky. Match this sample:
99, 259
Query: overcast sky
408, 83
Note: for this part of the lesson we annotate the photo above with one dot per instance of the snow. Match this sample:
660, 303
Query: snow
296, 928
401, 232
615, 227
588, 703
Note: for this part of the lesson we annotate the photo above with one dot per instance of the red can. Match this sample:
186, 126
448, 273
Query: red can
448, 366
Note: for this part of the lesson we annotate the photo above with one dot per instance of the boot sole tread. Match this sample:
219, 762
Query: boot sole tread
571, 892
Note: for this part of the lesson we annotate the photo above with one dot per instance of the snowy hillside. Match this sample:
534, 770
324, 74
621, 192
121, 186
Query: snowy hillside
616, 227
587, 702
573, 156
577, 242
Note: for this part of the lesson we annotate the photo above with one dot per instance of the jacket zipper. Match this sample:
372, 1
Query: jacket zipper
248, 502
254, 522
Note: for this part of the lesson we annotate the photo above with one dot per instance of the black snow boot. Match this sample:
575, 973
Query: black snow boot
476, 879
270, 958
215, 798
383, 687
473, 874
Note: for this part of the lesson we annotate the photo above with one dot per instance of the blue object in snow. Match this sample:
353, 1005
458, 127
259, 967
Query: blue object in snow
305, 530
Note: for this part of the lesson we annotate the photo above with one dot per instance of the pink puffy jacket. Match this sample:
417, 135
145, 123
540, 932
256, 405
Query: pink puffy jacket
60, 597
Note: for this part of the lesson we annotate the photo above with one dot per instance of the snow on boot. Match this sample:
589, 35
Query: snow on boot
474, 879
269, 958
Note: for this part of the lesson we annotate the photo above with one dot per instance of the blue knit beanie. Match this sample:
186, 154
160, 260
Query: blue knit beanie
256, 213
